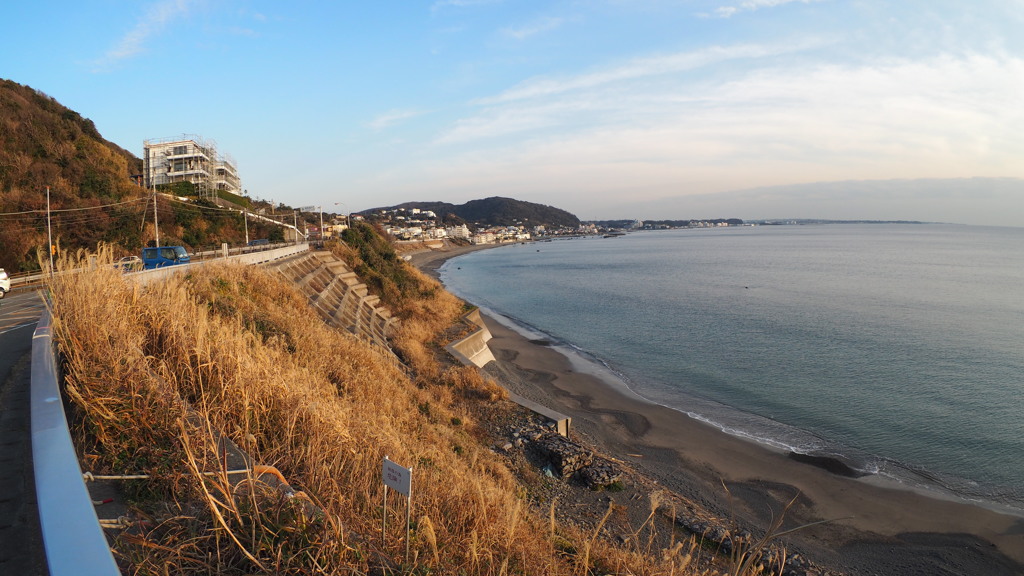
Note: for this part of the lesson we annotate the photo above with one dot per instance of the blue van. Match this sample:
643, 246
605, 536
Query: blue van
164, 256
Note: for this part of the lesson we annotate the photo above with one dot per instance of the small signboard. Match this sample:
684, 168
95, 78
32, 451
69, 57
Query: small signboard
397, 477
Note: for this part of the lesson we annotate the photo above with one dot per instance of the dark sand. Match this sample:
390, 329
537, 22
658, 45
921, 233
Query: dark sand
876, 528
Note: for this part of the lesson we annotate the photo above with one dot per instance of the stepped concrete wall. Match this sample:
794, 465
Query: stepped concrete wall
338, 296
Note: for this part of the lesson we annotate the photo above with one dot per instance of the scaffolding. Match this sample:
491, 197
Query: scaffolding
190, 158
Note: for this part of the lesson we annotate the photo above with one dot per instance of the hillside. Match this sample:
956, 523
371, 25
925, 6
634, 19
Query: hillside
93, 197
241, 351
495, 211
43, 143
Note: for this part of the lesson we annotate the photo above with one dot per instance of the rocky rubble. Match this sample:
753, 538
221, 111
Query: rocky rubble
568, 459
729, 543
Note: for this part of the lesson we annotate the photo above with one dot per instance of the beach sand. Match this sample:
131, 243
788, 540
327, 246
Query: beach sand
874, 528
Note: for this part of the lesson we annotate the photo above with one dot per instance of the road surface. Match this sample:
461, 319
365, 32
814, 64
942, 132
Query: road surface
21, 550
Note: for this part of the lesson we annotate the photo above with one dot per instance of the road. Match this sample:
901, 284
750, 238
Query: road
21, 550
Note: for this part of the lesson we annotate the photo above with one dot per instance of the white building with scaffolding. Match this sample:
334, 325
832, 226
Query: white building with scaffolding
190, 158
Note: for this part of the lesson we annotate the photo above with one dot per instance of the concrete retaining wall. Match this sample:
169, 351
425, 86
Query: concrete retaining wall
338, 296
473, 349
155, 275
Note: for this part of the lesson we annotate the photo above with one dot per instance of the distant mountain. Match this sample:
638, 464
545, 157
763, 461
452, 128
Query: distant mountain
495, 211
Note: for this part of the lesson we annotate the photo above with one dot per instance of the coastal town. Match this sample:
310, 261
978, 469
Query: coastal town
414, 224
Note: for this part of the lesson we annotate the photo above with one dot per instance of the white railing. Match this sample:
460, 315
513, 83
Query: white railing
72, 537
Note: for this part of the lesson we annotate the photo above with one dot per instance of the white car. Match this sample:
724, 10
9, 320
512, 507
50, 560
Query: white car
129, 264
5, 283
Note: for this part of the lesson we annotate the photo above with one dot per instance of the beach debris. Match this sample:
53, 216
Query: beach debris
714, 532
601, 473
568, 459
566, 456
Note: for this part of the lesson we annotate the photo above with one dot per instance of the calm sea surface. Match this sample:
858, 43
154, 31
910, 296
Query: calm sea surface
897, 347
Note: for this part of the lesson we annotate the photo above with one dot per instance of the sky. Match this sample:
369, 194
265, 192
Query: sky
648, 109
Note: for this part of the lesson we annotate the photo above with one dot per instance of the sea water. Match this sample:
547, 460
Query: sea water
897, 347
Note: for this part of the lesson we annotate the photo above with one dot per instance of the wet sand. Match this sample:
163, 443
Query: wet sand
874, 528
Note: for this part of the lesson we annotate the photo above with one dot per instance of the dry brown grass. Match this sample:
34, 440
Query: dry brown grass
155, 373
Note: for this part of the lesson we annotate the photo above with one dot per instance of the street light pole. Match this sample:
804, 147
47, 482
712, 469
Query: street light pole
348, 223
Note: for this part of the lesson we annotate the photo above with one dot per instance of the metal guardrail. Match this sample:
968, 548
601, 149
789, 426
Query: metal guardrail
26, 280
72, 537
147, 276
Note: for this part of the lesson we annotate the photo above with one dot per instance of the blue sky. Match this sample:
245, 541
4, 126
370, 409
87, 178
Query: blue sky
606, 108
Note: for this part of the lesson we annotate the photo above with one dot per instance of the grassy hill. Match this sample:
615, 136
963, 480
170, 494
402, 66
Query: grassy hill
496, 211
93, 196
237, 351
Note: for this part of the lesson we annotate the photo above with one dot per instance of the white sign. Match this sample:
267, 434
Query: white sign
397, 478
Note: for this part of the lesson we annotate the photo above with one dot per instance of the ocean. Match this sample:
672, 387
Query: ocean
898, 348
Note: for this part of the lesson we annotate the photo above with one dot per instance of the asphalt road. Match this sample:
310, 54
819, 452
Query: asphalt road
21, 550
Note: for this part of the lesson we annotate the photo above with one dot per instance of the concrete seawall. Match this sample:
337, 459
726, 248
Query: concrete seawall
473, 348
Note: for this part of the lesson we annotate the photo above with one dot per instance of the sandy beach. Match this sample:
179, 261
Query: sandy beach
873, 528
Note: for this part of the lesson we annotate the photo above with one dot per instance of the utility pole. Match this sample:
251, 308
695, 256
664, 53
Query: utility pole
321, 224
295, 216
156, 222
49, 229
245, 218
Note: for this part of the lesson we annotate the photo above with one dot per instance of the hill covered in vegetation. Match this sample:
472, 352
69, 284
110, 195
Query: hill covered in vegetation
495, 211
94, 195
44, 144
237, 352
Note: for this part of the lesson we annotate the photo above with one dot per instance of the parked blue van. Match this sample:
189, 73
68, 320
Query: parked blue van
164, 256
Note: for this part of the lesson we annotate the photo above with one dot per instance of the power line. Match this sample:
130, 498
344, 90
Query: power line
100, 207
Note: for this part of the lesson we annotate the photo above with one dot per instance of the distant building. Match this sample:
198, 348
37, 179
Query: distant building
483, 238
189, 158
460, 231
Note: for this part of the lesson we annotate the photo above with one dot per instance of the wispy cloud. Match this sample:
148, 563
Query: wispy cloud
771, 123
543, 25
641, 68
392, 118
155, 19
751, 5
462, 3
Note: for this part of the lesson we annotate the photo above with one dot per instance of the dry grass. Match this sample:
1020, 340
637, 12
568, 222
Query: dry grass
156, 373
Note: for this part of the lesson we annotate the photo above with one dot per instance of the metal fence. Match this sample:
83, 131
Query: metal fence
72, 537
74, 542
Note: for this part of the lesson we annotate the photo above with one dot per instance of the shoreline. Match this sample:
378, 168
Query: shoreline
884, 529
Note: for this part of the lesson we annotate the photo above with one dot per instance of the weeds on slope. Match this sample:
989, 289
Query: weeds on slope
159, 374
